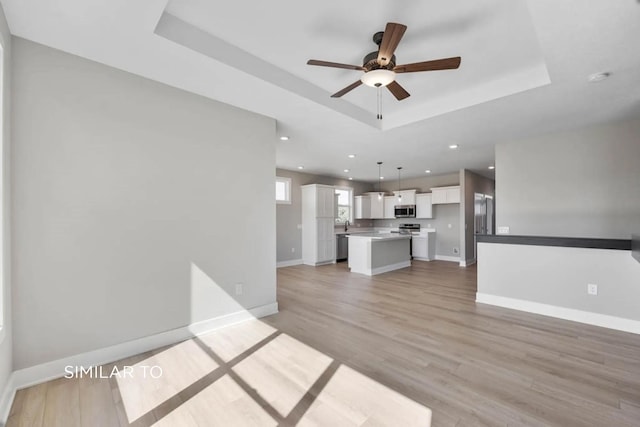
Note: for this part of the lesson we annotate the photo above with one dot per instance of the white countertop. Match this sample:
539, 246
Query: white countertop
381, 230
379, 236
356, 231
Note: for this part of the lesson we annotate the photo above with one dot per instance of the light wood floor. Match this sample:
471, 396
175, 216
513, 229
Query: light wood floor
351, 350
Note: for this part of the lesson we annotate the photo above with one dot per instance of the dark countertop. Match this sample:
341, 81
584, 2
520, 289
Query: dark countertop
568, 242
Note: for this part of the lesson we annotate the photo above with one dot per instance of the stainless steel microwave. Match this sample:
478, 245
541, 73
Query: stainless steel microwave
405, 211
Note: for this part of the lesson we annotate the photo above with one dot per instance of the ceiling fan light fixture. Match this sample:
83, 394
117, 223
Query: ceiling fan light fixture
378, 78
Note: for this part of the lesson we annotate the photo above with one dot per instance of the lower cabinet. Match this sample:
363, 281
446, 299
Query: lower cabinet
423, 246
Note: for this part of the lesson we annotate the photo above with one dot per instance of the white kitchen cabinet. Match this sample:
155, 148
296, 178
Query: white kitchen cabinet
368, 206
326, 198
362, 207
444, 195
389, 207
408, 197
318, 221
424, 209
377, 205
423, 246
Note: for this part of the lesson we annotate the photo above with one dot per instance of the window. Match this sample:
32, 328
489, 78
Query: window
345, 205
283, 190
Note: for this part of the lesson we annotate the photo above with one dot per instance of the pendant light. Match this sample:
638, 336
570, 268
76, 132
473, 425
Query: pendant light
379, 179
399, 195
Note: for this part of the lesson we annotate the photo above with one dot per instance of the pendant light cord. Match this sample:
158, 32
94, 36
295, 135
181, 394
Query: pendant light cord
379, 180
399, 195
379, 95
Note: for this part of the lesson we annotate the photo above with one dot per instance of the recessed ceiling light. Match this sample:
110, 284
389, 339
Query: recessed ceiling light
284, 138
492, 167
427, 171
382, 177
454, 146
300, 167
346, 171
350, 179
598, 77
351, 156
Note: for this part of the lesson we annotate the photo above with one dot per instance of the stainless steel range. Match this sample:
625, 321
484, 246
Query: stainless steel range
409, 229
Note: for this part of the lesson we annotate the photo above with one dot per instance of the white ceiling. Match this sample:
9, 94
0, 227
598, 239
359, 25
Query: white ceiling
524, 69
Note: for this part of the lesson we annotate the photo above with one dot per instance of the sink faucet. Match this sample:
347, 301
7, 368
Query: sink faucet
346, 225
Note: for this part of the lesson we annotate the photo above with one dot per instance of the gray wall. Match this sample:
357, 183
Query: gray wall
6, 359
289, 236
470, 184
443, 215
557, 276
584, 183
121, 212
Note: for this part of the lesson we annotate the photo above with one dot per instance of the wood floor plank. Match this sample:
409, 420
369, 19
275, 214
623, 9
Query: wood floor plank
485, 365
415, 335
96, 403
62, 404
32, 401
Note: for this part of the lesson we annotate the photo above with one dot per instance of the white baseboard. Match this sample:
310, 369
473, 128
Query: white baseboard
55, 369
6, 400
590, 318
448, 258
467, 263
289, 263
317, 264
422, 259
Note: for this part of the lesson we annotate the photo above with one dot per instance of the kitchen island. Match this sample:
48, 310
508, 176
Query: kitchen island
376, 253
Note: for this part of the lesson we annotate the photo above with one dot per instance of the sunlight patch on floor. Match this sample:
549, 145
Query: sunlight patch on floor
231, 341
182, 365
251, 374
282, 371
353, 399
223, 403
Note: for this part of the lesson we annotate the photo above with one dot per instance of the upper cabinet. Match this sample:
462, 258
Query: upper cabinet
444, 195
362, 207
408, 197
377, 206
423, 206
369, 206
389, 207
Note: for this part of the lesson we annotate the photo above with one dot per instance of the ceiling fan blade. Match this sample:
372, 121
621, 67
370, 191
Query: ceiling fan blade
392, 35
347, 89
438, 64
397, 90
334, 65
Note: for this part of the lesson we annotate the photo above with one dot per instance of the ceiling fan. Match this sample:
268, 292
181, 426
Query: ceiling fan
380, 67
